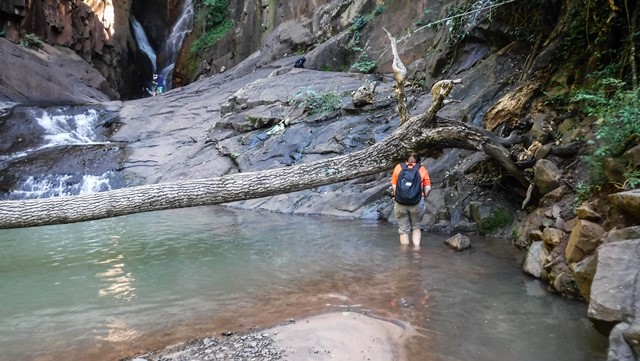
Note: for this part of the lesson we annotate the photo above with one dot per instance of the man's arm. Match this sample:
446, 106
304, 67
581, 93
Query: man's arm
426, 190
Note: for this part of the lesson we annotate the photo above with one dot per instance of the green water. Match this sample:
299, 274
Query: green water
107, 289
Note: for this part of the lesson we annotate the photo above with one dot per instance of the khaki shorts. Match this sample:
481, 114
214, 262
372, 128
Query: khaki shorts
409, 217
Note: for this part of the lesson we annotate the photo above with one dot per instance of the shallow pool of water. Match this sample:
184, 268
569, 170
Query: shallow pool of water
107, 289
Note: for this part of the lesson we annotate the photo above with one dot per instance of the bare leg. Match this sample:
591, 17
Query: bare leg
404, 238
416, 234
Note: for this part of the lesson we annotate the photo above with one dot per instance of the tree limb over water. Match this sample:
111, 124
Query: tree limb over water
418, 133
414, 134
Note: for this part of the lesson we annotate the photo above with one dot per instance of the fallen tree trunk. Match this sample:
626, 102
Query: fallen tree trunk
412, 135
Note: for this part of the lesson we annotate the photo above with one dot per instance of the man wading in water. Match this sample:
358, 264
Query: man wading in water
411, 186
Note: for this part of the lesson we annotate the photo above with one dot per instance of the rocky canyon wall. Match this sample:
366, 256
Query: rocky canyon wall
98, 30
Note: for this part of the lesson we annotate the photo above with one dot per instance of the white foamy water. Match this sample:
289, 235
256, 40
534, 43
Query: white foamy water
59, 127
38, 188
61, 186
179, 31
93, 183
69, 129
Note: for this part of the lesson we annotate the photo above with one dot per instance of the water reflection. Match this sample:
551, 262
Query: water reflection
117, 282
120, 331
149, 280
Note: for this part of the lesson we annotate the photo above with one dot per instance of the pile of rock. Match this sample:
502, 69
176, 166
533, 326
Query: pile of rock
254, 346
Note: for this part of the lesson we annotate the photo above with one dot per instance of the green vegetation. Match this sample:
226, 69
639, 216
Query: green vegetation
212, 23
584, 191
500, 218
618, 114
316, 103
359, 22
364, 63
600, 81
29, 40
617, 110
633, 179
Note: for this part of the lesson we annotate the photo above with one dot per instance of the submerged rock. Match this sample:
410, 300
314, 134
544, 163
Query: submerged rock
458, 242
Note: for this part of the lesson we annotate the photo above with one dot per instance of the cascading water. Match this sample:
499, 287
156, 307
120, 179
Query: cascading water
179, 31
143, 42
62, 156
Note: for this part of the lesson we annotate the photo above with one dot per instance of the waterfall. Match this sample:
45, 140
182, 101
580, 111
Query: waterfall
52, 129
68, 129
179, 31
143, 42
51, 185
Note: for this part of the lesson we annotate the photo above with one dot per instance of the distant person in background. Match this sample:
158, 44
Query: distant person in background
157, 85
160, 84
411, 186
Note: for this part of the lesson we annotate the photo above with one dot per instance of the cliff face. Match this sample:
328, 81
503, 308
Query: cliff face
97, 30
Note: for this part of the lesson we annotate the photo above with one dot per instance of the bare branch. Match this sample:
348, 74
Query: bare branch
400, 73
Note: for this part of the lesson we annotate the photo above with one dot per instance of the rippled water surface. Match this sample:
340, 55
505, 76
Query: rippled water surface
106, 289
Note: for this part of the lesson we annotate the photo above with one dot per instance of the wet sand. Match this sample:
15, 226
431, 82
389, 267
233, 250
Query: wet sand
342, 336
332, 336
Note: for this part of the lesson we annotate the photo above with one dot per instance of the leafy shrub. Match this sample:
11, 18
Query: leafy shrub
617, 128
206, 40
584, 191
633, 179
618, 114
215, 12
498, 219
359, 22
315, 103
213, 16
29, 40
364, 66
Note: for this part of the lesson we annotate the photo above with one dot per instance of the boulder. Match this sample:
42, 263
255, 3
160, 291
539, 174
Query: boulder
585, 237
584, 271
365, 94
615, 234
632, 336
458, 242
552, 236
632, 156
489, 216
546, 176
553, 196
615, 169
333, 54
59, 75
615, 291
619, 349
628, 203
535, 259
585, 211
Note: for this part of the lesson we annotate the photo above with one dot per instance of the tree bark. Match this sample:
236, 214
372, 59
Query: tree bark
399, 74
415, 134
